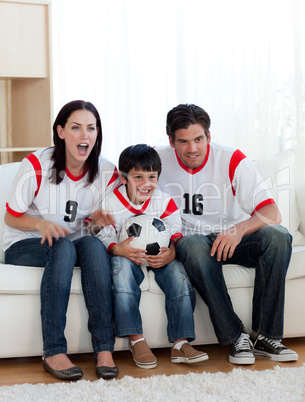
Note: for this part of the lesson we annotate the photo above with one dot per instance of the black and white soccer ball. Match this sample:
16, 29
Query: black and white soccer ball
150, 233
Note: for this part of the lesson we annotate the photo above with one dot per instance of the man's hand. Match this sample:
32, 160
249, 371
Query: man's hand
225, 243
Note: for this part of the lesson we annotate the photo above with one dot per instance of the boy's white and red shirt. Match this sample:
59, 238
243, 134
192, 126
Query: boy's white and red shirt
67, 204
225, 190
159, 204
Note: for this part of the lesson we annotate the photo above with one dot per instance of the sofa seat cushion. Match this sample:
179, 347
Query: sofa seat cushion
296, 268
237, 276
15, 279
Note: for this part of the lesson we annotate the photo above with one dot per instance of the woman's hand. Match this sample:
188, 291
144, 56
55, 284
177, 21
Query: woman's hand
102, 218
124, 249
28, 223
49, 230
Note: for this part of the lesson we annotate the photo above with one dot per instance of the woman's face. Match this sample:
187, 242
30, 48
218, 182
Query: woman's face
79, 134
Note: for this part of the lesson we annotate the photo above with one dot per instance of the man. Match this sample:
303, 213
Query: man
228, 216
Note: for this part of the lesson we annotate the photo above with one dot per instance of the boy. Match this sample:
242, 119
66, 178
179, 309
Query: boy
140, 167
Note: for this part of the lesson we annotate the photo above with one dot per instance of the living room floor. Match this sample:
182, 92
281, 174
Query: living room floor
29, 369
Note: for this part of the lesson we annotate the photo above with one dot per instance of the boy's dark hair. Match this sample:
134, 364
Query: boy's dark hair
183, 115
59, 153
140, 156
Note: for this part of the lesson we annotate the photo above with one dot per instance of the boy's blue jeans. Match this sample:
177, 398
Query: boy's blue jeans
179, 298
268, 251
59, 260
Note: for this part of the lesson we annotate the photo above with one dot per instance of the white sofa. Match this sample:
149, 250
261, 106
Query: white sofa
20, 333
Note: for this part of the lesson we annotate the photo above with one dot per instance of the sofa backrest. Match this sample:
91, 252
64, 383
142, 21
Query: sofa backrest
300, 195
7, 174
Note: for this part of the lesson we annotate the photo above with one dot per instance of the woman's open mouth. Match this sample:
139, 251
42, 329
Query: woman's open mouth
83, 148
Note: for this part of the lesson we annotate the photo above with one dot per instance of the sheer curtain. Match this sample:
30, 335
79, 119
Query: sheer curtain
242, 61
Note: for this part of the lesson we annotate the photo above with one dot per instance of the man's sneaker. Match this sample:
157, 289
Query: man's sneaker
242, 351
274, 350
187, 354
142, 355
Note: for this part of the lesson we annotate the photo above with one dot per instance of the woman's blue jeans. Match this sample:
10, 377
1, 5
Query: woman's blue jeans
268, 251
179, 298
59, 260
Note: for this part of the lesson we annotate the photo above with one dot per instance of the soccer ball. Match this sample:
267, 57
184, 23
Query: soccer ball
150, 233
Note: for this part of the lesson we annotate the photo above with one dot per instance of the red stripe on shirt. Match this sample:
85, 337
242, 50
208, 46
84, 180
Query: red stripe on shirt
171, 208
110, 246
115, 175
75, 178
37, 167
128, 205
262, 204
12, 212
194, 171
176, 237
236, 158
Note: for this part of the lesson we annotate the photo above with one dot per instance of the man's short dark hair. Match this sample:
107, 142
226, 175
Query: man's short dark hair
140, 156
183, 115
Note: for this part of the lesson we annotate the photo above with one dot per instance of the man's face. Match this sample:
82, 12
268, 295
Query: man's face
191, 145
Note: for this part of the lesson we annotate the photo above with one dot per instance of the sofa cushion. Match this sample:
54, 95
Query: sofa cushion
15, 279
7, 174
278, 172
237, 276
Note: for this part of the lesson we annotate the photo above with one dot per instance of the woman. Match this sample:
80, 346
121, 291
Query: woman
54, 191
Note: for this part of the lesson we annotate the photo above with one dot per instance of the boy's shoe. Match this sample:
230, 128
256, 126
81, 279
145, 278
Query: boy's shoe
242, 351
142, 355
187, 354
274, 350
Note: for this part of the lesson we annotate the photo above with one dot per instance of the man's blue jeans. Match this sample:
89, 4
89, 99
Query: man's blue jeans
59, 261
179, 298
268, 251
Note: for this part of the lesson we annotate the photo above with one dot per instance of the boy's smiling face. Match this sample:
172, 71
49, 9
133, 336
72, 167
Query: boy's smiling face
140, 185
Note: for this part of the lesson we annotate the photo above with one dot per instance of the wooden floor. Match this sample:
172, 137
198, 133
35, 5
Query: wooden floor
29, 370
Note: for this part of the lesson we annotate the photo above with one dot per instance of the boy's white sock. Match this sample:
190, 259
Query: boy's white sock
138, 340
179, 344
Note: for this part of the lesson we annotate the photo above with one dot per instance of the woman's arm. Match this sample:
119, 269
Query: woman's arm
27, 223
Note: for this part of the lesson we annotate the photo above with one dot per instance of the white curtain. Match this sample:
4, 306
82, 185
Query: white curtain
243, 61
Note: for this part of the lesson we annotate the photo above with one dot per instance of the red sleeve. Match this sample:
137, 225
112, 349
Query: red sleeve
37, 167
171, 208
236, 158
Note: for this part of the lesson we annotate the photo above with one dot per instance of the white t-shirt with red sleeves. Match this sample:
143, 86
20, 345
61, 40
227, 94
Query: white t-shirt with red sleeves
66, 204
223, 191
159, 204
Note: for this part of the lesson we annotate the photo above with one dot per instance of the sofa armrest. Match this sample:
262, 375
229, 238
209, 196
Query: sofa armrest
300, 196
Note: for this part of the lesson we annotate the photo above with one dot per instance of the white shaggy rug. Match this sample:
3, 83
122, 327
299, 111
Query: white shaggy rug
280, 384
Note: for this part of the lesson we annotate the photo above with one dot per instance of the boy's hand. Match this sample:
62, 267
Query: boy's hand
124, 249
166, 256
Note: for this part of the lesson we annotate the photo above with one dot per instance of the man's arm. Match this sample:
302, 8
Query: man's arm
226, 242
